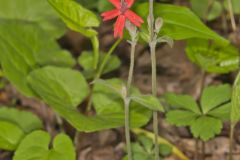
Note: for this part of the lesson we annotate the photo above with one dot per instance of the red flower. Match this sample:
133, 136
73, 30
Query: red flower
122, 13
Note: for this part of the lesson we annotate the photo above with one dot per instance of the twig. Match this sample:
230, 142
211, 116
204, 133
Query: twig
233, 22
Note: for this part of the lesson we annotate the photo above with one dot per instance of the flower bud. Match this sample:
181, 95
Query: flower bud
158, 24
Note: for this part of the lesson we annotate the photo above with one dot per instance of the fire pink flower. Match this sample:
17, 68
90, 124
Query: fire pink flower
123, 13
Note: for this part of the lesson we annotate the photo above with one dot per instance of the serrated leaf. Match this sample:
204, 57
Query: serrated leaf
222, 112
148, 101
26, 121
36, 146
180, 23
76, 16
206, 127
181, 117
214, 96
182, 101
211, 57
10, 135
21, 45
40, 12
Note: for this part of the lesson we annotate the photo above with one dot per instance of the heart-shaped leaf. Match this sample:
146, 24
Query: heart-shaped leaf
10, 135
36, 146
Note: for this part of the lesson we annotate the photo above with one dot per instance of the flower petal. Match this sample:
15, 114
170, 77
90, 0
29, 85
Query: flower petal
129, 3
119, 26
110, 14
135, 19
116, 3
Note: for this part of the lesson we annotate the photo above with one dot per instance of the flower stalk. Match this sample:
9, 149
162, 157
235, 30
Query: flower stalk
127, 90
152, 45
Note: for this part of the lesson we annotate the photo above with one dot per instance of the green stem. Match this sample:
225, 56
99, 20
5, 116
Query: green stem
100, 71
95, 44
127, 128
106, 58
161, 140
152, 44
231, 141
127, 100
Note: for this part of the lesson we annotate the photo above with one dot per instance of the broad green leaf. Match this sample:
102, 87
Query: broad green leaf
22, 46
38, 11
182, 101
211, 57
69, 85
10, 135
205, 10
180, 23
64, 84
36, 146
26, 121
235, 107
215, 96
222, 112
206, 127
181, 117
148, 101
61, 58
76, 16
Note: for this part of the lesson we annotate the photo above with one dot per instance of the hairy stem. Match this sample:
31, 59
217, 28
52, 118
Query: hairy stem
152, 45
127, 100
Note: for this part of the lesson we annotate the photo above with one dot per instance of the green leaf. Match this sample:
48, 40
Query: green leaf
148, 101
211, 57
10, 135
61, 58
26, 121
75, 16
205, 10
22, 46
235, 107
214, 96
62, 88
182, 101
64, 84
181, 117
206, 127
180, 23
86, 60
222, 112
36, 146
33, 11
146, 142
165, 150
